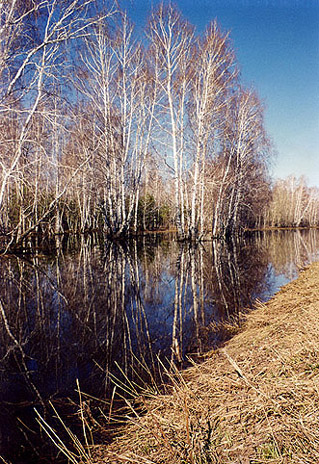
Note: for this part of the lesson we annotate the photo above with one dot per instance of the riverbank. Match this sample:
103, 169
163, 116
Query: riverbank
254, 400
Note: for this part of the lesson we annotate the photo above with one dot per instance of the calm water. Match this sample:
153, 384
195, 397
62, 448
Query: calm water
92, 309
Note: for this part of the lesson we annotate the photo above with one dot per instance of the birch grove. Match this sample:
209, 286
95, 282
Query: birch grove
106, 128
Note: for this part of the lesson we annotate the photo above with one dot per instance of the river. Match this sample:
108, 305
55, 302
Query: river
86, 310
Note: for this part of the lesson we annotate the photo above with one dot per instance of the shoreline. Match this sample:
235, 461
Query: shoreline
253, 400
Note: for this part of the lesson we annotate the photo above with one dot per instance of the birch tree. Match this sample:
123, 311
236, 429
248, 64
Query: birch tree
246, 149
118, 93
214, 74
33, 36
171, 39
293, 204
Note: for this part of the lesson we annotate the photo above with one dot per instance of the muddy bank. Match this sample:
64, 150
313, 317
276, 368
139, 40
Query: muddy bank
254, 400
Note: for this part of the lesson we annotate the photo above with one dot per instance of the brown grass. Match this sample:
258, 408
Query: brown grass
253, 401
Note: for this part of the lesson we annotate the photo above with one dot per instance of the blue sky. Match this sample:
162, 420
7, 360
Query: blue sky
277, 46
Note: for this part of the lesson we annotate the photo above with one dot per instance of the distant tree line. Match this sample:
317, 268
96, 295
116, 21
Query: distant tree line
293, 204
101, 129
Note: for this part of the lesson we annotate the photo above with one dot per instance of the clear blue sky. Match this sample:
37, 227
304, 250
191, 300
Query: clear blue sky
277, 46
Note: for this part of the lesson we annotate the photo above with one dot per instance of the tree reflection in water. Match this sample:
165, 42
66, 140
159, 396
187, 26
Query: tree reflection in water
95, 309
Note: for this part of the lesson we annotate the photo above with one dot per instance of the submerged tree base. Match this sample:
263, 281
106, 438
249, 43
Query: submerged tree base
255, 399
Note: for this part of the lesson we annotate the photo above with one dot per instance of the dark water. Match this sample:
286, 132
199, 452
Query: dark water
91, 309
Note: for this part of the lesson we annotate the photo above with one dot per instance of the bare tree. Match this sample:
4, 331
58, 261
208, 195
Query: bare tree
214, 74
171, 46
33, 37
118, 92
245, 157
293, 204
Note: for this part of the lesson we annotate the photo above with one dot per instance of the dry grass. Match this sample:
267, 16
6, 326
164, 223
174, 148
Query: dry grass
256, 400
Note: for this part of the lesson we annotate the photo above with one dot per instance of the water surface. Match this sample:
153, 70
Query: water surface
91, 308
